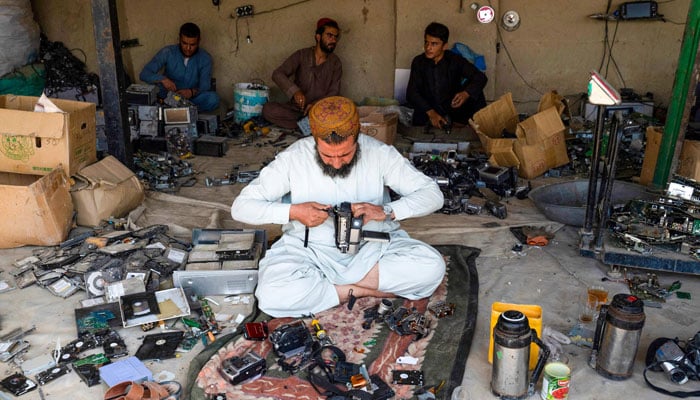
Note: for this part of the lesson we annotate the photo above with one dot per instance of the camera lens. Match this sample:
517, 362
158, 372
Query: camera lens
384, 307
678, 376
675, 374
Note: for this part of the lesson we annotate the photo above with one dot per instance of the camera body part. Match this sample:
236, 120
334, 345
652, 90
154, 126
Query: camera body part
242, 368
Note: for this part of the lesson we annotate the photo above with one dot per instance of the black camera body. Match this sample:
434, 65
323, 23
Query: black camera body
241, 368
291, 339
348, 229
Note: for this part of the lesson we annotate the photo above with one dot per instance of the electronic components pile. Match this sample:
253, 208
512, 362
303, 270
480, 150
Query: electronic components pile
299, 347
93, 259
671, 222
163, 172
471, 185
122, 273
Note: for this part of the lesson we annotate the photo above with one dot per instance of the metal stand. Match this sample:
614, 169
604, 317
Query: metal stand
595, 241
600, 190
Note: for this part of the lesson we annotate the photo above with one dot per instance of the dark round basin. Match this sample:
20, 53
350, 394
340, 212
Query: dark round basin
565, 202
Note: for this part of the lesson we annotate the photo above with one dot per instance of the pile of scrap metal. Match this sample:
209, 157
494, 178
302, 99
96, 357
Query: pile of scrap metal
670, 222
94, 259
471, 185
580, 147
163, 172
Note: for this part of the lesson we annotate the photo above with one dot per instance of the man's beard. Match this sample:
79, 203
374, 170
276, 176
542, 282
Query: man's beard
325, 48
341, 172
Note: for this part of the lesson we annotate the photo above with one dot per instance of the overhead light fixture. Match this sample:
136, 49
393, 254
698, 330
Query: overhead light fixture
510, 20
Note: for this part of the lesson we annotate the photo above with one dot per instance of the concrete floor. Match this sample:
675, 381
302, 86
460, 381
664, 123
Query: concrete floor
551, 277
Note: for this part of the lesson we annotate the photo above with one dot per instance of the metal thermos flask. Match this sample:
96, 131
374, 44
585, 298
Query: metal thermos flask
512, 337
617, 335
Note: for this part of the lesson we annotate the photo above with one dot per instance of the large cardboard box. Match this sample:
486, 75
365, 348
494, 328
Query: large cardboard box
36, 143
689, 163
378, 122
36, 209
535, 145
651, 154
104, 189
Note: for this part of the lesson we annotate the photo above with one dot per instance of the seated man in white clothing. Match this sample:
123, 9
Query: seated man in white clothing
304, 272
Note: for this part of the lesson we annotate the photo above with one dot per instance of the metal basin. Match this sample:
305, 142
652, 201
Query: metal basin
565, 202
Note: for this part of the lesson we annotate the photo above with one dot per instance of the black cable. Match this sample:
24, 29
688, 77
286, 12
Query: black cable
510, 58
605, 36
282, 8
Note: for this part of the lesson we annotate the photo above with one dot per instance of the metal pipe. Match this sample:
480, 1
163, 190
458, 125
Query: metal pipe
606, 184
587, 230
684, 72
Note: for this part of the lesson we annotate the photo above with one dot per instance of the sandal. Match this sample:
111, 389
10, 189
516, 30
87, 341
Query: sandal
137, 391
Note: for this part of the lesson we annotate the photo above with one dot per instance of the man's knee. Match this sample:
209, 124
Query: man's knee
206, 101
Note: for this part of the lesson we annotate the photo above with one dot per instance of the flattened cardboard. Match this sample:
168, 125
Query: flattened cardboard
105, 189
36, 210
378, 124
651, 154
36, 143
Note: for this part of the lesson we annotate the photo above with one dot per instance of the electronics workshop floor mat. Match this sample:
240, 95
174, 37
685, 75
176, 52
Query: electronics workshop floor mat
440, 355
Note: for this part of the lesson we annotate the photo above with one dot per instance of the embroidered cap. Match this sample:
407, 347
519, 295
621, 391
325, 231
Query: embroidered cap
334, 114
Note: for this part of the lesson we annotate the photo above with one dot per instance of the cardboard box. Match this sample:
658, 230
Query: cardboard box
689, 163
105, 189
651, 154
36, 210
378, 122
492, 122
543, 146
36, 143
537, 143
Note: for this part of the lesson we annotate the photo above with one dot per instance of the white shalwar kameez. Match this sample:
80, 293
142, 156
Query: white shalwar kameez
295, 280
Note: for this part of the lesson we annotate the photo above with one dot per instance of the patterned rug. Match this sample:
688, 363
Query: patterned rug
442, 354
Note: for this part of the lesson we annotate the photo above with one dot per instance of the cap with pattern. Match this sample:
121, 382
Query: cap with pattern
334, 114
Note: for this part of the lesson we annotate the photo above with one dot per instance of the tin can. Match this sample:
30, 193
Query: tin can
555, 381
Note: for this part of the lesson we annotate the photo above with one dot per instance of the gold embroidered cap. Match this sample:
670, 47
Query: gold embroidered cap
335, 114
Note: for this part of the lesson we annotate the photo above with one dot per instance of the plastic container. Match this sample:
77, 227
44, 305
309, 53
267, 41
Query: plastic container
248, 100
534, 316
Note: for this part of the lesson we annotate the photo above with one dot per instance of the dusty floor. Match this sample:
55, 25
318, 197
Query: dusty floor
551, 277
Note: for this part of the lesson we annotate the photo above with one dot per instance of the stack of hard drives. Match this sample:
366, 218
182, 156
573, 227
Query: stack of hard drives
222, 262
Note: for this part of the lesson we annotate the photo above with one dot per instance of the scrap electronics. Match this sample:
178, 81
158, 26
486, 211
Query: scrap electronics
670, 222
470, 185
121, 271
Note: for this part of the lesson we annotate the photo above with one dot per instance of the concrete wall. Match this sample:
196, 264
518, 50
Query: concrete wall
555, 47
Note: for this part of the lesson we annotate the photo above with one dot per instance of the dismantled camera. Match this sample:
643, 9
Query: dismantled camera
348, 229
441, 309
291, 339
240, 369
408, 322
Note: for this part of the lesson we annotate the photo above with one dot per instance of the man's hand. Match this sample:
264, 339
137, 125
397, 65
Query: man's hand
368, 212
186, 93
436, 119
168, 84
310, 214
300, 100
459, 99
